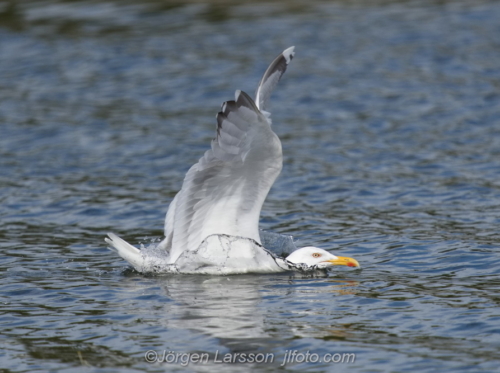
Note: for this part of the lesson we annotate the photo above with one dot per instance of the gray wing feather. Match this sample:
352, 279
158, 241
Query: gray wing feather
272, 76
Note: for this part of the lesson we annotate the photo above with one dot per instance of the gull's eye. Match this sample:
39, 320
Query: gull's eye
316, 255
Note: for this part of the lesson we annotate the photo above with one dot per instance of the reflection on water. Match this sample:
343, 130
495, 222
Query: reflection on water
198, 303
390, 131
233, 310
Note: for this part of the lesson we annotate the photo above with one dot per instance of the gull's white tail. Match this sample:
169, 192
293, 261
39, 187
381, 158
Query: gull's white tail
128, 252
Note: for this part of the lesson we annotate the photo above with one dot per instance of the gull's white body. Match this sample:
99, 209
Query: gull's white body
212, 224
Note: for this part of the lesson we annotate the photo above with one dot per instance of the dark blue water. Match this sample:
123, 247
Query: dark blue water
389, 120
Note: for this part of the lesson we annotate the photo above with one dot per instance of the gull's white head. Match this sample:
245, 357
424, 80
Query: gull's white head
314, 256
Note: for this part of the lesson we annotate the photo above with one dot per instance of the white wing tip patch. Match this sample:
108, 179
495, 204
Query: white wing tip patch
237, 95
289, 53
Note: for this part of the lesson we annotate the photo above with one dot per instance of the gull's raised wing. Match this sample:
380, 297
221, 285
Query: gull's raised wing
224, 192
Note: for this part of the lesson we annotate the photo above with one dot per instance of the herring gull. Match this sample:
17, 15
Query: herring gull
212, 224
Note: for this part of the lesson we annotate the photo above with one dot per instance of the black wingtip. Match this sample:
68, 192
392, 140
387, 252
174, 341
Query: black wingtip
243, 99
272, 76
289, 53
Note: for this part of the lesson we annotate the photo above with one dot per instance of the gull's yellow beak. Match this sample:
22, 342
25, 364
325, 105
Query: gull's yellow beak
344, 261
